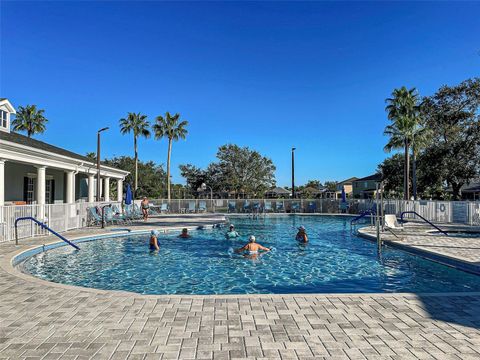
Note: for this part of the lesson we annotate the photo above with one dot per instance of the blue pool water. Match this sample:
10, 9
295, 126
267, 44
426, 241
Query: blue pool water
333, 261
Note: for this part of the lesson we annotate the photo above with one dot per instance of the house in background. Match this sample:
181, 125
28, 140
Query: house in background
347, 185
364, 188
34, 172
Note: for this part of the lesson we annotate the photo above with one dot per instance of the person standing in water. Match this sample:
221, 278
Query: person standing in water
231, 233
252, 247
301, 235
184, 234
154, 240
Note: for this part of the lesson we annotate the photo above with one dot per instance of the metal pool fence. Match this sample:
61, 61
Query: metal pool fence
63, 217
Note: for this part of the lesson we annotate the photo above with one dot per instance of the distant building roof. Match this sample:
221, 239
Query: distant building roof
347, 181
375, 177
278, 190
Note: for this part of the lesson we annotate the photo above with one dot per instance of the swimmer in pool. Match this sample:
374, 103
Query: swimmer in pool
231, 233
184, 234
301, 235
252, 247
154, 240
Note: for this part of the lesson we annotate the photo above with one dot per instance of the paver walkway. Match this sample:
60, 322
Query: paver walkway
42, 321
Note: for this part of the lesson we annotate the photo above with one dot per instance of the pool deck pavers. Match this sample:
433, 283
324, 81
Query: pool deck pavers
41, 320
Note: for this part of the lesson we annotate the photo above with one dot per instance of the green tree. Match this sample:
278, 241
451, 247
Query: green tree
452, 114
403, 110
30, 119
139, 126
246, 170
173, 129
331, 185
151, 175
313, 184
391, 169
91, 156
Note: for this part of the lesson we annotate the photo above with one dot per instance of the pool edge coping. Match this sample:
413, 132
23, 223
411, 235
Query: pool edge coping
6, 264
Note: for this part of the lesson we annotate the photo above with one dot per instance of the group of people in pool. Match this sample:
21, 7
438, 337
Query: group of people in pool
252, 247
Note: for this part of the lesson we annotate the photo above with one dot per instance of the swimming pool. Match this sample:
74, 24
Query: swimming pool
334, 261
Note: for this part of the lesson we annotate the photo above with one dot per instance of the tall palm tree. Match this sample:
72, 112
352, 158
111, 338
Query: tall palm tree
138, 124
405, 130
30, 119
170, 127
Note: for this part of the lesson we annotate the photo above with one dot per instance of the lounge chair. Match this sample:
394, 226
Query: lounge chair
202, 206
256, 207
392, 223
279, 207
164, 208
268, 206
312, 207
295, 207
191, 207
94, 218
131, 214
232, 206
110, 217
246, 206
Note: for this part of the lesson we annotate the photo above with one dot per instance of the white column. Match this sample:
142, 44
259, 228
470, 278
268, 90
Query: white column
119, 190
91, 188
101, 189
2, 182
70, 187
41, 170
106, 183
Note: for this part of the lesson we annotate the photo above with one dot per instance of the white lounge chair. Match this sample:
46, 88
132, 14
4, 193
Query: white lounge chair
392, 223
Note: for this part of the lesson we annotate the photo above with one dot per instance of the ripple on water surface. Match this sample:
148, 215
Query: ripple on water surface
333, 261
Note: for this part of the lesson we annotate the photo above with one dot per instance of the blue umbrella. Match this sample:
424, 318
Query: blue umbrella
128, 195
344, 196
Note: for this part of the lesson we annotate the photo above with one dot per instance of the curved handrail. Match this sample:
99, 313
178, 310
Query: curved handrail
43, 226
421, 217
362, 215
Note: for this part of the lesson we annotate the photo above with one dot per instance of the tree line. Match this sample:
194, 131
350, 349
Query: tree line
440, 139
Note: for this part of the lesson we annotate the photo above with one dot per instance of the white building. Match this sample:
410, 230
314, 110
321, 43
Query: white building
34, 172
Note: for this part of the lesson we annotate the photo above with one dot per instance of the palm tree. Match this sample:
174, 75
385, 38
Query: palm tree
30, 119
138, 124
172, 128
405, 131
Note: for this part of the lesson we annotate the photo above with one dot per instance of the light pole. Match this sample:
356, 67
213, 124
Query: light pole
293, 172
98, 161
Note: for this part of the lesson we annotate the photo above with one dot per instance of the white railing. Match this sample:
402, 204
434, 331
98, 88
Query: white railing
63, 217
59, 217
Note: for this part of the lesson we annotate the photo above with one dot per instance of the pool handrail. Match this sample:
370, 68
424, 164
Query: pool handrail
421, 217
362, 215
43, 226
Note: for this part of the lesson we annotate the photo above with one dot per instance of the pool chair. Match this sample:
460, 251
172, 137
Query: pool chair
279, 207
164, 208
131, 214
295, 207
391, 223
191, 207
202, 206
232, 207
110, 217
94, 218
256, 207
117, 212
268, 206
246, 206
312, 207
137, 211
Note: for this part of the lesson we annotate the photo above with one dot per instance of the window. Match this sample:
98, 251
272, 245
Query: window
3, 118
29, 190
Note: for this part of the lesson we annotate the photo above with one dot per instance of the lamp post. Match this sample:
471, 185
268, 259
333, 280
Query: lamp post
293, 172
98, 161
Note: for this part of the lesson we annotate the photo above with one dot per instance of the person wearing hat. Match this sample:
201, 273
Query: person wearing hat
154, 240
252, 247
301, 235
231, 233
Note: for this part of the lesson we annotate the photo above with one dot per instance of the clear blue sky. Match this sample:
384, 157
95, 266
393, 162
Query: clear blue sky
267, 75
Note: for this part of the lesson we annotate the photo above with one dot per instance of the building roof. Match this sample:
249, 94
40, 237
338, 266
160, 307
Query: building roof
278, 190
347, 181
375, 177
37, 144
